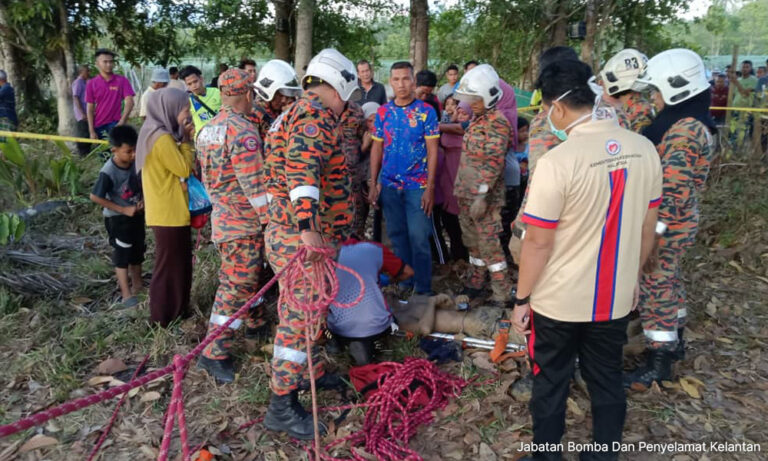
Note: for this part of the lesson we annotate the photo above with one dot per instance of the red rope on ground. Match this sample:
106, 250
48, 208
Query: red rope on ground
108, 428
395, 411
41, 417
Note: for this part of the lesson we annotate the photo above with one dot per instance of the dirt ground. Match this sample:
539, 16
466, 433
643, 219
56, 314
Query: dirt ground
58, 325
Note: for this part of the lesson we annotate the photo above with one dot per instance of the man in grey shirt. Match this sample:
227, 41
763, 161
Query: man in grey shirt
370, 90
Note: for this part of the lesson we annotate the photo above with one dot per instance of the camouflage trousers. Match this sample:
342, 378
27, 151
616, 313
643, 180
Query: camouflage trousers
289, 355
481, 237
361, 213
662, 299
241, 264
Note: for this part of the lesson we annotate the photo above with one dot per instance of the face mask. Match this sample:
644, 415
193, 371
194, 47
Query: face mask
562, 135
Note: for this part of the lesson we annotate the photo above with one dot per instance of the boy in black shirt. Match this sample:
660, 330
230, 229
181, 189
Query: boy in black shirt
118, 190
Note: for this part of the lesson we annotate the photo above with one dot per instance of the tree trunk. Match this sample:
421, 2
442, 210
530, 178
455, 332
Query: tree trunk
11, 58
588, 45
66, 45
419, 45
283, 11
57, 64
304, 15
560, 26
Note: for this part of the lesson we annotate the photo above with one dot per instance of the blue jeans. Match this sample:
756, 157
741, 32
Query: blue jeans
409, 229
102, 132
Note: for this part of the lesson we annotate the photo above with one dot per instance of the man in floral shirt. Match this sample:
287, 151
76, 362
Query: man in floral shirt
403, 164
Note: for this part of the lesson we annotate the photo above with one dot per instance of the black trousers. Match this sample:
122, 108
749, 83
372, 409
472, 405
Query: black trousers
172, 275
450, 223
553, 347
81, 131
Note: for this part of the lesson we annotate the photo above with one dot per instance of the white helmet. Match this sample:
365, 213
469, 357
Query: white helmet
678, 74
335, 69
621, 71
480, 82
277, 75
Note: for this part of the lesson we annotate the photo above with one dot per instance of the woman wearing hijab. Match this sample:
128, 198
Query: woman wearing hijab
682, 135
447, 213
165, 159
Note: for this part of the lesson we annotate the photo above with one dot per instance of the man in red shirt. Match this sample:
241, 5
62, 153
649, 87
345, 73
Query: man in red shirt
104, 95
719, 98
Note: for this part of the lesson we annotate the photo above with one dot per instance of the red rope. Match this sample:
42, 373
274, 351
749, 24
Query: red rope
41, 417
108, 427
397, 409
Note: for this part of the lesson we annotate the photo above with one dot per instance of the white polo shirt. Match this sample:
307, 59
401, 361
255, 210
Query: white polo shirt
595, 190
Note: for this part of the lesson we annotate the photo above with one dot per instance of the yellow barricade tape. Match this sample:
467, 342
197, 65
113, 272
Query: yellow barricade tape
528, 109
740, 109
50, 137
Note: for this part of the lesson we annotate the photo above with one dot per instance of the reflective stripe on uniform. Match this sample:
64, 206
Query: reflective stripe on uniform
304, 191
661, 336
259, 201
682, 313
122, 244
218, 319
476, 262
497, 267
291, 355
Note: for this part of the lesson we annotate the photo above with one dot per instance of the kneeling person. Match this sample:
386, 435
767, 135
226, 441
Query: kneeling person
361, 324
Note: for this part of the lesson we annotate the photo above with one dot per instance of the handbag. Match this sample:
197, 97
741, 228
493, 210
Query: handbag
199, 202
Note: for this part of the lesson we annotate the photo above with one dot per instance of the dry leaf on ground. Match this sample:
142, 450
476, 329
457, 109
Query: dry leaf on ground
38, 441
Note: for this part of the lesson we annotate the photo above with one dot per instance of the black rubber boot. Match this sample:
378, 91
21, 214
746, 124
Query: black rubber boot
285, 414
658, 368
260, 334
680, 350
329, 381
222, 370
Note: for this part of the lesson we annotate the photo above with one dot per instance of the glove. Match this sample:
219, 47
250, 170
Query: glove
478, 208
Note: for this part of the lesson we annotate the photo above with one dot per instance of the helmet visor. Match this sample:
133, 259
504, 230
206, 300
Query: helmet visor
465, 97
290, 92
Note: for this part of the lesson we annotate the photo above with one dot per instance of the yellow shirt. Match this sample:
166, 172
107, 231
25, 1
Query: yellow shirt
594, 189
165, 197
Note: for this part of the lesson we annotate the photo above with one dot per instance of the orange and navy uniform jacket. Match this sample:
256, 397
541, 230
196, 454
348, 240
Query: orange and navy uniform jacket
686, 153
352, 124
482, 158
309, 181
638, 111
229, 151
263, 116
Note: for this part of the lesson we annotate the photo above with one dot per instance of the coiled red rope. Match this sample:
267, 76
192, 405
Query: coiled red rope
405, 399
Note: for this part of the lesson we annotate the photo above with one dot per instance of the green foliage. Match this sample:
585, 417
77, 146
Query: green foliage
37, 177
11, 228
725, 26
233, 29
